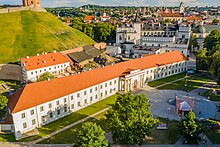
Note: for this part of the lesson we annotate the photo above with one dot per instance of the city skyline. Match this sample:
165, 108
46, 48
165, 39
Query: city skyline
77, 3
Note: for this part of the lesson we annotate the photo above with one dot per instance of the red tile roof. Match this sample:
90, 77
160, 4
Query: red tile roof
89, 18
43, 60
41, 92
171, 14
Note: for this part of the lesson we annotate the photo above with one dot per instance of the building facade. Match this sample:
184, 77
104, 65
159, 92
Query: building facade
168, 37
34, 67
51, 100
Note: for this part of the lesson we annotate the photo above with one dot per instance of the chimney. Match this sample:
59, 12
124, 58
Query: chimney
27, 57
78, 72
37, 54
45, 53
48, 79
54, 51
103, 66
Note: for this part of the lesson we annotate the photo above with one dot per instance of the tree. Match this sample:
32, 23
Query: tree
130, 119
91, 135
3, 102
45, 76
189, 127
215, 21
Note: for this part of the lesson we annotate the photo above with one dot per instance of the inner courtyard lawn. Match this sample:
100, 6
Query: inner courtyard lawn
166, 80
188, 84
80, 114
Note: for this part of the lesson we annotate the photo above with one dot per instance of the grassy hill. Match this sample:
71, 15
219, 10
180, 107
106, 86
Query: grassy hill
28, 33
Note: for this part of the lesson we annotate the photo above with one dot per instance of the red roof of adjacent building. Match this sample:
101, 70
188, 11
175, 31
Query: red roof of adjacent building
192, 18
89, 18
43, 60
34, 94
171, 14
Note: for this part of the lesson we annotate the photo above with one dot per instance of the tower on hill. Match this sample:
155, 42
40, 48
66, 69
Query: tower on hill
34, 3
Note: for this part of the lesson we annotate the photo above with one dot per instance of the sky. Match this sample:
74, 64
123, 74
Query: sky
77, 3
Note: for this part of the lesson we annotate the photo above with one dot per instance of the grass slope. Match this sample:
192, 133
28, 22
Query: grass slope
28, 33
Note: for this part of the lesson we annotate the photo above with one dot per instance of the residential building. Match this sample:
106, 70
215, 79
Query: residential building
33, 67
51, 100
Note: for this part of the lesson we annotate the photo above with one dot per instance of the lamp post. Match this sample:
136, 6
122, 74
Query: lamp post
168, 110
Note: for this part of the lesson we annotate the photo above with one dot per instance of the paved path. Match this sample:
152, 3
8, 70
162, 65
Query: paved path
69, 126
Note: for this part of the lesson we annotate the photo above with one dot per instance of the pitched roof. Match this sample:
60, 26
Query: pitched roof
171, 14
89, 18
43, 60
34, 94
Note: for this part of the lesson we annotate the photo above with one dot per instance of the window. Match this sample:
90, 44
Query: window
41, 108
58, 102
78, 104
33, 122
96, 96
24, 125
91, 90
85, 101
106, 84
115, 81
51, 114
78, 95
58, 112
106, 92
101, 94
23, 115
101, 86
44, 69
40, 71
36, 72
72, 106
96, 88
50, 105
71, 97
110, 90
65, 108
49, 68
110, 83
64, 100
32, 112
91, 98
84, 92
43, 118
32, 73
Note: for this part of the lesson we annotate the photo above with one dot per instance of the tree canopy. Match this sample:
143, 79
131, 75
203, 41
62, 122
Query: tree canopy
3, 102
189, 127
45, 76
91, 135
209, 57
130, 119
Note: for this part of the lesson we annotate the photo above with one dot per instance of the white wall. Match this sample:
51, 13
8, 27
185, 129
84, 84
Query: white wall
33, 74
92, 95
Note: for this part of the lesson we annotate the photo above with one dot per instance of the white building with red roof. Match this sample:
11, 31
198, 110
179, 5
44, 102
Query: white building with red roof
40, 103
33, 67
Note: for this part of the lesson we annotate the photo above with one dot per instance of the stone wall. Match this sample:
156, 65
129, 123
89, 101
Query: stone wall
15, 9
10, 72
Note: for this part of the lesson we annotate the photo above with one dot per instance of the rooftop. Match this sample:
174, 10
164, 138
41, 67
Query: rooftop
43, 60
34, 94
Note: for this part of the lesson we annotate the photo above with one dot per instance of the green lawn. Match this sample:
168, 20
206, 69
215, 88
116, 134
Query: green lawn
56, 125
7, 138
26, 33
213, 97
192, 83
213, 135
169, 136
166, 80
69, 136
